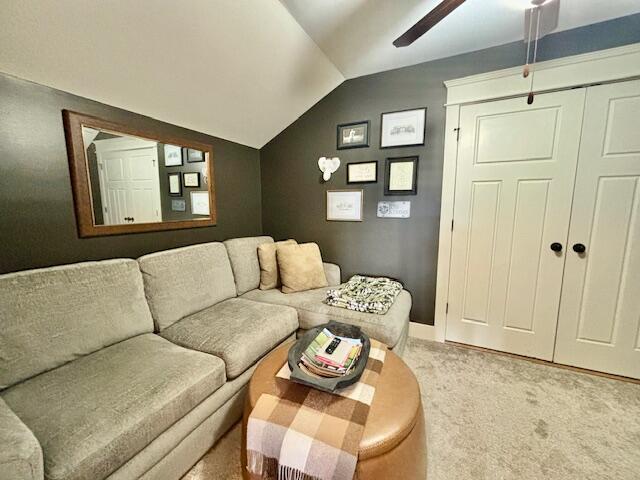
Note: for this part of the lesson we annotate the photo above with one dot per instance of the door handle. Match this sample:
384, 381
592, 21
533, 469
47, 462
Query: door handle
579, 248
556, 247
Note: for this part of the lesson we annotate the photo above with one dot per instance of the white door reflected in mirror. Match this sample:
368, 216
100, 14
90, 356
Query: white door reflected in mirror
135, 180
129, 180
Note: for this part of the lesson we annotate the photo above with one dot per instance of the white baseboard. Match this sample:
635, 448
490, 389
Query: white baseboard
423, 332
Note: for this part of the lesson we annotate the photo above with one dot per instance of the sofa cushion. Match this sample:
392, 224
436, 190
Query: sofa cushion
300, 267
237, 330
20, 454
312, 311
269, 277
243, 253
185, 280
332, 273
94, 414
51, 316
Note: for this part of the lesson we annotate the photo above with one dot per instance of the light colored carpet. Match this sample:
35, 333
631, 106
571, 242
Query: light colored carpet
495, 417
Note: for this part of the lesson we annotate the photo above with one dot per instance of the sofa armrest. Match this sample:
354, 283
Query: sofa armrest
20, 451
332, 272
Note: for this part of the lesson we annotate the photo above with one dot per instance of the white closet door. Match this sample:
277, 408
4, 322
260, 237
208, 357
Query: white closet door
514, 182
599, 319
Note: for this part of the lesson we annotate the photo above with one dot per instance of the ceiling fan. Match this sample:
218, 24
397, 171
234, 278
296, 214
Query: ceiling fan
546, 10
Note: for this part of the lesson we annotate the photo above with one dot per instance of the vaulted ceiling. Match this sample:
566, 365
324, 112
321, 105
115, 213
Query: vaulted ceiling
357, 35
242, 69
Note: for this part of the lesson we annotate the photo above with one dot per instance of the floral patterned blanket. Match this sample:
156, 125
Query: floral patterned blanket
365, 294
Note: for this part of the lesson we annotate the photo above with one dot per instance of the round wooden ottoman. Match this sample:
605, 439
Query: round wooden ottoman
393, 444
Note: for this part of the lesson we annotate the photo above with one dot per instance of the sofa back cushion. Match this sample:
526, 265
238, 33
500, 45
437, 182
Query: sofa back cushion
185, 280
243, 253
51, 316
300, 267
269, 277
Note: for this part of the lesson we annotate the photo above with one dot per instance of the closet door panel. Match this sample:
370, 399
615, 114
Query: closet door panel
515, 173
483, 222
532, 202
599, 318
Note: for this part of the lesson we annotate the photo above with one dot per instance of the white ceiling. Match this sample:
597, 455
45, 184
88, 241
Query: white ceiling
356, 35
242, 69
238, 69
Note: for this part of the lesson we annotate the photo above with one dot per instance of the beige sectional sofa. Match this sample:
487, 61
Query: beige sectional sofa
126, 369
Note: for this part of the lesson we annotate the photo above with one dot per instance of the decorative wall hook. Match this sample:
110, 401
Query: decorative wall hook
328, 166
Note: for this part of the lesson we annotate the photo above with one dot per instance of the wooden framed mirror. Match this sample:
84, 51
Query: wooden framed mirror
127, 180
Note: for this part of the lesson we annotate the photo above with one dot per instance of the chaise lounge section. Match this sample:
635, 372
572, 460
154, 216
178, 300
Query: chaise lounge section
391, 328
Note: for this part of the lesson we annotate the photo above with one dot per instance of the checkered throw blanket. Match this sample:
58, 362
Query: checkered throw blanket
300, 433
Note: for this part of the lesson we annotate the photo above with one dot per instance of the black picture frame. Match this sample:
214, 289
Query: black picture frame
343, 126
191, 155
387, 173
175, 174
424, 128
184, 179
355, 182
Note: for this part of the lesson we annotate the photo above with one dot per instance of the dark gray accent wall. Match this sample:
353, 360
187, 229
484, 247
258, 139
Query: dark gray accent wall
37, 220
293, 196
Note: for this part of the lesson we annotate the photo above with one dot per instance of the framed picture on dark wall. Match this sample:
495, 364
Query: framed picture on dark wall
401, 176
200, 203
345, 205
179, 205
175, 185
172, 156
191, 179
193, 156
353, 135
362, 172
404, 128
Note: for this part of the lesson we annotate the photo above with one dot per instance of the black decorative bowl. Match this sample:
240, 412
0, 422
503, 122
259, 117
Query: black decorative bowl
329, 384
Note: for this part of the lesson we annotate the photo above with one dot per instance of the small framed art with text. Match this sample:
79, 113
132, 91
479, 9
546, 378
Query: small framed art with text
345, 205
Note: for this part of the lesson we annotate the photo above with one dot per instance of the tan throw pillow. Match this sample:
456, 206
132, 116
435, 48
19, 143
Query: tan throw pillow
269, 277
300, 267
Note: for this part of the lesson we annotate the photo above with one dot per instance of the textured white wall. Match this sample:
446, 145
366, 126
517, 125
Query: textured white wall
242, 70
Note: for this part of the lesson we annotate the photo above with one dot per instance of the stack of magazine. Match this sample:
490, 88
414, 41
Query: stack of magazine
338, 361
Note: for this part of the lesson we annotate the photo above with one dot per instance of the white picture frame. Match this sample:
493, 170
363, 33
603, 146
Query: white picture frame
404, 128
345, 205
172, 155
200, 203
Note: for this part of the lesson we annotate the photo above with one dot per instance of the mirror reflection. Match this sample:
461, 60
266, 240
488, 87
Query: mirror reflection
136, 180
